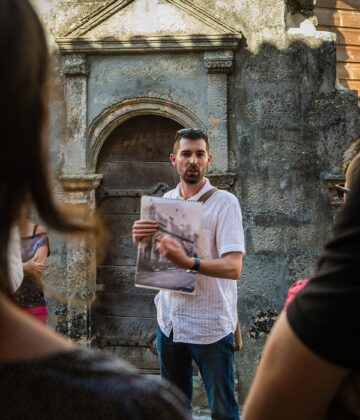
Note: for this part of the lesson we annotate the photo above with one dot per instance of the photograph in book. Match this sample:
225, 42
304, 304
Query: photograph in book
178, 219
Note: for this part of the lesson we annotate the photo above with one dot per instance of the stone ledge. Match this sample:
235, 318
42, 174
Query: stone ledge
219, 62
75, 65
149, 44
331, 181
222, 180
82, 183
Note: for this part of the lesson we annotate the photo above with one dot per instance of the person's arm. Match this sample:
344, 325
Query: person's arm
14, 257
291, 381
229, 266
35, 266
229, 240
142, 228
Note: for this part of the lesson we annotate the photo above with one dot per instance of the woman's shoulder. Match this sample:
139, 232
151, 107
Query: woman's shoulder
40, 229
143, 396
119, 389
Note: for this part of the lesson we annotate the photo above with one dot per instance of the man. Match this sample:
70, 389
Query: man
201, 327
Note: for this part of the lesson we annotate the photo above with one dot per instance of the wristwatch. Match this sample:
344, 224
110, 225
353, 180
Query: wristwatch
196, 267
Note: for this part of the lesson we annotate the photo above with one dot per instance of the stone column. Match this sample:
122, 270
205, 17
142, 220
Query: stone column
75, 70
219, 65
79, 192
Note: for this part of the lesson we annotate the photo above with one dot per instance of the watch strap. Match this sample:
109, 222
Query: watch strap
196, 267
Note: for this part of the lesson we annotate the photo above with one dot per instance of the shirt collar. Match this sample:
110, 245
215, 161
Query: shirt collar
205, 188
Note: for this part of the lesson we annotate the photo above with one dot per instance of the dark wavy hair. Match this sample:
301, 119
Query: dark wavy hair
353, 169
23, 124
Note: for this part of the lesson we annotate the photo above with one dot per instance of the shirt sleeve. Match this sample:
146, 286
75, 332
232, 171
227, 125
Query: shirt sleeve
325, 314
43, 240
229, 229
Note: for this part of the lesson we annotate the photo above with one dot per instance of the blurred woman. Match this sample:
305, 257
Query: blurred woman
42, 374
35, 249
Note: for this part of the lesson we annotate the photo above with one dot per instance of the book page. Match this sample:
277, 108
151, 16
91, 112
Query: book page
179, 219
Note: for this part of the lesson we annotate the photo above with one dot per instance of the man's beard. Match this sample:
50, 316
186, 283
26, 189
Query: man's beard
192, 175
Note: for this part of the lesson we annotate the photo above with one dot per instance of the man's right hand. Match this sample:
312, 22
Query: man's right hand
142, 228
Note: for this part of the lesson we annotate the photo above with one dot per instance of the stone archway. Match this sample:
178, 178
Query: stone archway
112, 117
133, 160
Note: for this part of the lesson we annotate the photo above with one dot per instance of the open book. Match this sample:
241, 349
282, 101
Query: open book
179, 219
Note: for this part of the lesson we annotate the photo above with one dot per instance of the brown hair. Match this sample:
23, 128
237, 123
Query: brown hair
192, 134
353, 170
350, 153
23, 122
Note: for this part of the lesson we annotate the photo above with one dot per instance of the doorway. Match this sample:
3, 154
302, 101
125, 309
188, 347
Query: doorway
134, 161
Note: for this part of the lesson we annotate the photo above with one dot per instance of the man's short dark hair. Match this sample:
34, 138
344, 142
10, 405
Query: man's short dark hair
192, 134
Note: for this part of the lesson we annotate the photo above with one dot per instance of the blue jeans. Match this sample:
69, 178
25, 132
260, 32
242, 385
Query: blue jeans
215, 362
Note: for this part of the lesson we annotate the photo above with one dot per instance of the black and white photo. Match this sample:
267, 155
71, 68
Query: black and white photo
175, 218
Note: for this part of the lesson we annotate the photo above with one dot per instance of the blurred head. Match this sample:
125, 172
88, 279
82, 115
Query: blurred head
23, 122
352, 171
350, 153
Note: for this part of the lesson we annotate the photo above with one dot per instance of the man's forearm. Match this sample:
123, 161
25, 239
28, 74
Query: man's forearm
228, 267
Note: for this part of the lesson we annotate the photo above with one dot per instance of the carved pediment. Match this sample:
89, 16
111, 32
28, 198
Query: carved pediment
125, 22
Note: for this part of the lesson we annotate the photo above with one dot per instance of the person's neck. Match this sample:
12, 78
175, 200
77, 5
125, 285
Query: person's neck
189, 190
26, 229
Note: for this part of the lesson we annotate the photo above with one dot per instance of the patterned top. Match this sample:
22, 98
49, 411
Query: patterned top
83, 385
30, 293
210, 314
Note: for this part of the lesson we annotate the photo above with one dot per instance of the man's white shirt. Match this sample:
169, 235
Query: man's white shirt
211, 313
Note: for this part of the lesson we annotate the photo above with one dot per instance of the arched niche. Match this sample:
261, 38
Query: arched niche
114, 116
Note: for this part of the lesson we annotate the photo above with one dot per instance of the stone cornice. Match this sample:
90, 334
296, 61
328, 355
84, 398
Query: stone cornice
75, 65
332, 180
149, 44
84, 183
219, 62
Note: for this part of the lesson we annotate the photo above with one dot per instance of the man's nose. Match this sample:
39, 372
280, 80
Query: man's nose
193, 159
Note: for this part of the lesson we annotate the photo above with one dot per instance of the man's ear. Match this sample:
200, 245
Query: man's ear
173, 159
210, 158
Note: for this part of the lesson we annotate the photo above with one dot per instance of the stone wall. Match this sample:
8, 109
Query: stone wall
288, 127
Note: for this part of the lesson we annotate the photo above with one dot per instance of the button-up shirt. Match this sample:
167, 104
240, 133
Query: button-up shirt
211, 313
